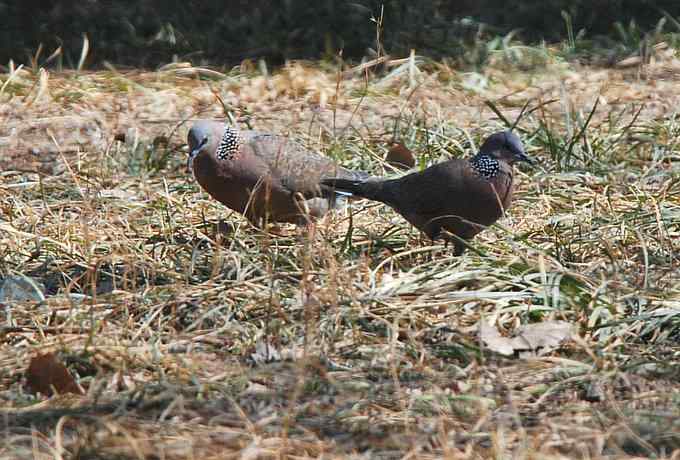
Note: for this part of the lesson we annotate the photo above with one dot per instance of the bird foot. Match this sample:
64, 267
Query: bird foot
277, 230
458, 244
224, 228
458, 248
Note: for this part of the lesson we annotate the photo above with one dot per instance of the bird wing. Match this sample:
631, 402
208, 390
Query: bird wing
448, 188
434, 189
292, 166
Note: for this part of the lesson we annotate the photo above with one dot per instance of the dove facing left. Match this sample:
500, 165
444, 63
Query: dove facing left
266, 177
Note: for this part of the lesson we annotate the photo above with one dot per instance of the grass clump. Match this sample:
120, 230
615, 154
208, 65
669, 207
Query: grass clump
194, 334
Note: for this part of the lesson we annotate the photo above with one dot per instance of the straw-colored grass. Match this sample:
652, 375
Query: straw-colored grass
198, 336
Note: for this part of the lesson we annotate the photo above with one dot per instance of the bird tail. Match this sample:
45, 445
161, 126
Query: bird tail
351, 187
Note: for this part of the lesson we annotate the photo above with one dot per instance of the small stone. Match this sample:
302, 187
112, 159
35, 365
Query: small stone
594, 392
21, 288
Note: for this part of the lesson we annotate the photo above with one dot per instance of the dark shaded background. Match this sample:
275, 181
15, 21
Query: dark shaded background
149, 33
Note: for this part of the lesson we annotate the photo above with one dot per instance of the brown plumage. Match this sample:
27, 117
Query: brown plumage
458, 196
263, 176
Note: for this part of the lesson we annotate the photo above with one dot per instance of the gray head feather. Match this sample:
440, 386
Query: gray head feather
198, 137
504, 145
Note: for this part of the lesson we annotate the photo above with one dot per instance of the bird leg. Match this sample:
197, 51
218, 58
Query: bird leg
458, 248
302, 206
459, 244
255, 221
305, 214
224, 228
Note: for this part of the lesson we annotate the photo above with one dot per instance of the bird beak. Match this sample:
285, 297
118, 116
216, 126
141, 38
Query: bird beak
193, 154
521, 156
190, 160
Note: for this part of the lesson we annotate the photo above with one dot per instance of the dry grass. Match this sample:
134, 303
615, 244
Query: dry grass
198, 336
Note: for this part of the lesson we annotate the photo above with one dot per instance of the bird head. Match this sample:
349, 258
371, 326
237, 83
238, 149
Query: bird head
199, 138
505, 146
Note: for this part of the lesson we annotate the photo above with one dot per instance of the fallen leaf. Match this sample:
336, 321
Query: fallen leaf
494, 340
46, 374
400, 156
531, 337
546, 335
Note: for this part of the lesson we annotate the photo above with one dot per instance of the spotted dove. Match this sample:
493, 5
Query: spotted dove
458, 196
265, 177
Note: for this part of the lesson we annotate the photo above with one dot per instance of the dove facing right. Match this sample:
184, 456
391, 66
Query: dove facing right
459, 196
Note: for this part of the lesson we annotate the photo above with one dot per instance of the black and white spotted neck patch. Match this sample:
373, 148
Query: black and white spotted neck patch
485, 165
229, 145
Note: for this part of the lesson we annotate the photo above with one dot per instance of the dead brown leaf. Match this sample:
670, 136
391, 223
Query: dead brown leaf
46, 374
400, 156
